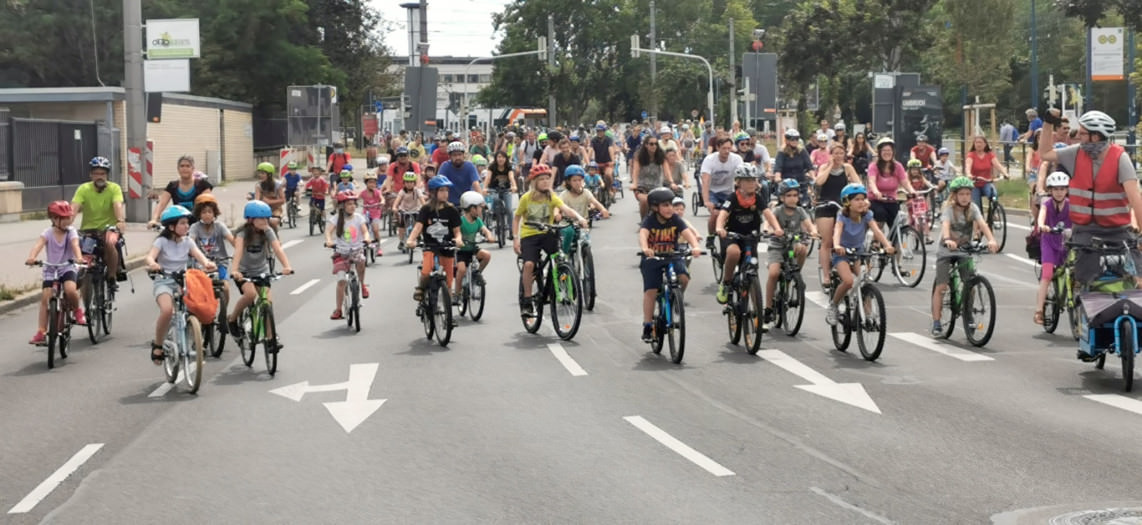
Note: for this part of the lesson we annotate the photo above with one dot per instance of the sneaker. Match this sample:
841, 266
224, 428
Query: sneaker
647, 332
336, 315
120, 276
478, 278
722, 296
80, 318
1085, 357
526, 307
456, 299
769, 315
710, 243
232, 327
937, 330
38, 339
831, 315
364, 291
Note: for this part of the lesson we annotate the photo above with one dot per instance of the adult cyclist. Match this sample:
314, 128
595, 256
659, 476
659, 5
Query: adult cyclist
101, 203
717, 171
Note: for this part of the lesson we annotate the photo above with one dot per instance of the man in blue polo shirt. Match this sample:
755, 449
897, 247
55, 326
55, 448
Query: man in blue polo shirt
462, 173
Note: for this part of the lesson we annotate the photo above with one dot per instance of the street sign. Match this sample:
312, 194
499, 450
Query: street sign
644, 114
166, 76
356, 408
173, 38
378, 106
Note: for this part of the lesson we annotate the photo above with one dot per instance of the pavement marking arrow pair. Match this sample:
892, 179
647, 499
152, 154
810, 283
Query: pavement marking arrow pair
356, 408
847, 393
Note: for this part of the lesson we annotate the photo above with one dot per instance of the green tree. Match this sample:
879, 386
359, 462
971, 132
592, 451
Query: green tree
1092, 12
59, 43
973, 50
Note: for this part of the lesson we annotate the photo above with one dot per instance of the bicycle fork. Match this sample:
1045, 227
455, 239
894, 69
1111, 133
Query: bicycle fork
1125, 318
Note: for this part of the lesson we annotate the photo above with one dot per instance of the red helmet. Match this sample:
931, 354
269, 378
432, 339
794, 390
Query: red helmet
537, 170
346, 195
60, 209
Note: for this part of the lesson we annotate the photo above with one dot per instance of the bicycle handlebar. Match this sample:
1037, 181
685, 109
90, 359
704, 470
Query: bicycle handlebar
69, 262
670, 255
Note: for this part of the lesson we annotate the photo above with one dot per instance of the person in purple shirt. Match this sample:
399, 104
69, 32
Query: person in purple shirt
462, 173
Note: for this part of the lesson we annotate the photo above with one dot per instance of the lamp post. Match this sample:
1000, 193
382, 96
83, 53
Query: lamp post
635, 49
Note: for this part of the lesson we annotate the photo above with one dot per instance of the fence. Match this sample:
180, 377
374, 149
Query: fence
5, 145
50, 157
1016, 156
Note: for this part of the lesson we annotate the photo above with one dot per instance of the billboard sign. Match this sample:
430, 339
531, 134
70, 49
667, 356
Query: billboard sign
173, 38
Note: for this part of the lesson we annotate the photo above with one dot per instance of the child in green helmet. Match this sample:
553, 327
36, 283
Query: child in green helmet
959, 221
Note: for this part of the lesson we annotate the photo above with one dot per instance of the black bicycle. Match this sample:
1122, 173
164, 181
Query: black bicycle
744, 307
669, 321
214, 333
98, 294
435, 306
316, 217
501, 216
292, 211
789, 296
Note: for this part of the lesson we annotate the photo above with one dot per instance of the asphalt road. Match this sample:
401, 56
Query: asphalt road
504, 427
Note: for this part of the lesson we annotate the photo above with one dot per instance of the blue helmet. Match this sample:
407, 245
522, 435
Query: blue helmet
851, 190
788, 185
439, 181
257, 210
101, 162
574, 170
593, 165
172, 214
402, 151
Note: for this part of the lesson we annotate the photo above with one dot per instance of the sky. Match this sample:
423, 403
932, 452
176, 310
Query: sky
455, 27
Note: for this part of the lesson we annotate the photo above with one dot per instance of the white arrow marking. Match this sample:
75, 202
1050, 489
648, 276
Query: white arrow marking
291, 244
1023, 260
817, 298
1117, 401
356, 408
305, 287
940, 348
566, 360
848, 393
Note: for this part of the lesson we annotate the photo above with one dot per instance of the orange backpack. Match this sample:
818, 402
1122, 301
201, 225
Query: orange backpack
199, 295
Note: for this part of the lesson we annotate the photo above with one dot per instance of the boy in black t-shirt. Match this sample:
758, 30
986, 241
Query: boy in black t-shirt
439, 221
658, 237
742, 214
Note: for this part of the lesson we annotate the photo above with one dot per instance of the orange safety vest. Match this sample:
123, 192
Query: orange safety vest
1099, 197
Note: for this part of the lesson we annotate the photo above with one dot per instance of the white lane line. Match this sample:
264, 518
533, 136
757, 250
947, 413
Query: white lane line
681, 448
40, 492
817, 298
1117, 401
940, 348
290, 244
305, 287
1021, 259
1019, 226
846, 505
566, 360
166, 387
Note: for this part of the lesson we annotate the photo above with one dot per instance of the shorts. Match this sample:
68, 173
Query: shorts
720, 197
944, 269
885, 212
774, 255
375, 220
405, 218
317, 203
530, 246
164, 286
652, 271
465, 256
727, 242
341, 261
828, 212
290, 193
62, 278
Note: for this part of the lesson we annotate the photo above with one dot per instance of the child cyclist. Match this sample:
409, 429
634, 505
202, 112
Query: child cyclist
317, 187
253, 242
439, 221
853, 222
658, 236
211, 236
1055, 210
346, 181
540, 205
960, 218
373, 203
170, 252
347, 233
292, 180
577, 197
62, 244
594, 179
471, 223
918, 204
793, 220
408, 200
742, 213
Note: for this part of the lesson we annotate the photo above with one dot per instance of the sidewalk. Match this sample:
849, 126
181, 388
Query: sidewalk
16, 241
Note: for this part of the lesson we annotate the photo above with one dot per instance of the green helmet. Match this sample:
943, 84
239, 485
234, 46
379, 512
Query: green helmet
914, 163
267, 167
410, 176
740, 137
960, 183
346, 174
542, 137
292, 165
479, 160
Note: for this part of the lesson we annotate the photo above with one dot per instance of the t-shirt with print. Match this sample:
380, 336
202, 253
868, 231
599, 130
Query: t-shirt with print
960, 224
256, 250
721, 173
437, 225
581, 203
533, 210
173, 255
468, 231
743, 220
351, 238
213, 242
790, 222
664, 235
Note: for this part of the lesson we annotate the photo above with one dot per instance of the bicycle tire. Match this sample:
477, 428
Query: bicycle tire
566, 295
292, 216
411, 252
978, 286
443, 314
676, 326
465, 295
997, 221
793, 311
876, 322
354, 318
270, 343
107, 298
193, 359
171, 360
1052, 308
312, 220
425, 307
718, 263
588, 282
752, 314
218, 329
53, 334
477, 297
909, 245
695, 203
842, 331
1073, 318
501, 226
733, 319
93, 309
876, 265
1126, 353
948, 312
64, 340
247, 343
532, 324
659, 327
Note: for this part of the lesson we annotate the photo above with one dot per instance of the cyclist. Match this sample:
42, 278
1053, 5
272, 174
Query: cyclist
923, 152
61, 242
564, 158
743, 147
1054, 210
959, 219
211, 234
718, 170
791, 219
461, 173
979, 165
918, 207
292, 180
338, 159
253, 242
742, 213
410, 199
820, 155
659, 235
885, 177
501, 180
270, 192
603, 148
347, 233
853, 222
181, 191
594, 179
399, 168
170, 252
650, 171
439, 221
345, 182
945, 169
578, 199
541, 205
101, 204
793, 163
471, 223
830, 180
481, 164
373, 203
318, 187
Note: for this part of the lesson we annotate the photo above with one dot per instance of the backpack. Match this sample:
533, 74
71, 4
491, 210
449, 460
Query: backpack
198, 294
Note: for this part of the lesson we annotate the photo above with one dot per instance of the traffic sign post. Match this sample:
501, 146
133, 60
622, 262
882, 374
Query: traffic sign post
635, 50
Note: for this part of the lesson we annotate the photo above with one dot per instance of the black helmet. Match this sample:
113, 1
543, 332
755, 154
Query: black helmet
658, 196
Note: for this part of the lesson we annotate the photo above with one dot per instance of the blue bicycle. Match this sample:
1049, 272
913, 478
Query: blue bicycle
1110, 309
669, 311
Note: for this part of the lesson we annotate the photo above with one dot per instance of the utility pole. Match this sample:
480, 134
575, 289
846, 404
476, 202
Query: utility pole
550, 71
733, 81
653, 67
1034, 60
1131, 97
138, 210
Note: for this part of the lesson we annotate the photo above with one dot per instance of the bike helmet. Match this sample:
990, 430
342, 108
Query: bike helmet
1058, 179
172, 214
960, 183
542, 137
593, 165
943, 151
664, 130
455, 146
914, 163
439, 181
370, 176
1097, 122
574, 170
600, 127
610, 134
740, 137
822, 137
678, 200
479, 160
346, 174
658, 196
410, 176
60, 209
267, 168
792, 134
402, 151
100, 162
471, 198
292, 165
885, 141
538, 170
204, 200
788, 185
346, 195
921, 138
555, 136
257, 210
840, 126
574, 138
851, 190
746, 171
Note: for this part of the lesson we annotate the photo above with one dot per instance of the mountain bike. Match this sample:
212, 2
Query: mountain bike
472, 291
1110, 309
910, 260
435, 306
996, 217
970, 297
183, 344
789, 296
351, 302
316, 217
60, 314
584, 263
669, 321
214, 333
98, 294
861, 311
744, 308
555, 284
257, 326
292, 211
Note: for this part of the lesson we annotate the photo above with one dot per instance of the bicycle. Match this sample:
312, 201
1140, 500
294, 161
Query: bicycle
256, 325
907, 242
214, 333
408, 218
996, 217
584, 263
556, 284
669, 319
789, 296
183, 347
435, 306
351, 302
1110, 309
501, 216
602, 194
60, 316
472, 292
98, 296
1061, 295
316, 217
972, 298
292, 211
870, 320
745, 305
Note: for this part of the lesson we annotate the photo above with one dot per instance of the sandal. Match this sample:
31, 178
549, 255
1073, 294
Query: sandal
418, 295
1038, 317
158, 354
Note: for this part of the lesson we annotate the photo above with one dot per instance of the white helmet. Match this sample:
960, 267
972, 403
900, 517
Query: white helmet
455, 146
1058, 179
792, 133
664, 130
471, 198
822, 136
1097, 122
746, 171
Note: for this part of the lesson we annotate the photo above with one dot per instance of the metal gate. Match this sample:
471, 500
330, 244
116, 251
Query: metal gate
50, 157
5, 145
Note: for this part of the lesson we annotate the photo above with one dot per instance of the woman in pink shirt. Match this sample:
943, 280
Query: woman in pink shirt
821, 156
885, 177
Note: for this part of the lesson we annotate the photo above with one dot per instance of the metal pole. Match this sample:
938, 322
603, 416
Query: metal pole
411, 36
551, 70
1131, 94
653, 66
1087, 96
1034, 60
733, 79
745, 87
138, 210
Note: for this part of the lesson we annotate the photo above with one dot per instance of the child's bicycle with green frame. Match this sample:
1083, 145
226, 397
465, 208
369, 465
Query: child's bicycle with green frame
257, 326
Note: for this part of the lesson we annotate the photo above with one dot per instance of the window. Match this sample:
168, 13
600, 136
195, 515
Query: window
485, 79
447, 79
472, 79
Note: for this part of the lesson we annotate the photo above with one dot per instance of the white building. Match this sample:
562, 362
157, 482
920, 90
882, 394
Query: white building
456, 80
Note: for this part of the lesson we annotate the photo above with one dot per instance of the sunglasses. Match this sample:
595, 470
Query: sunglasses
651, 143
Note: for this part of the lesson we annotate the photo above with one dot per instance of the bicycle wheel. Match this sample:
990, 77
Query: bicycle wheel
53, 330
842, 331
752, 316
465, 294
170, 348
106, 296
1052, 308
979, 310
501, 226
93, 308
566, 302
876, 265
733, 318
659, 321
194, 355
793, 308
64, 340
1126, 352
292, 216
676, 326
1073, 317
354, 317
870, 323
247, 342
313, 220
716, 260
997, 221
270, 343
695, 203
424, 309
911, 258
476, 300
948, 313
443, 314
217, 341
588, 281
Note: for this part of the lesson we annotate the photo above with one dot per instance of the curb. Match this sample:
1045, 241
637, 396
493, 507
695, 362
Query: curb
33, 297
